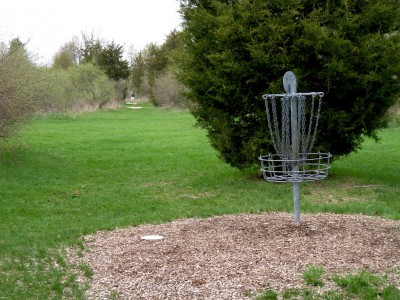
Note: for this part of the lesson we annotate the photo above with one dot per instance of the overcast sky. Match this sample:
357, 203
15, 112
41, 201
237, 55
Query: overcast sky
48, 24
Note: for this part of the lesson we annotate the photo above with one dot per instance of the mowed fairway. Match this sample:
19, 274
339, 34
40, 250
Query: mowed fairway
74, 175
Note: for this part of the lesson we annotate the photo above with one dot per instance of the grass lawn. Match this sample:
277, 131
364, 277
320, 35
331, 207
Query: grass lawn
74, 175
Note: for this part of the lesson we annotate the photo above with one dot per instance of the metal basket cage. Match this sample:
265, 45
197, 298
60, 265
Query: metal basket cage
311, 167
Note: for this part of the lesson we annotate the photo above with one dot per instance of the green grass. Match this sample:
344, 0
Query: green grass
312, 276
364, 182
361, 285
74, 175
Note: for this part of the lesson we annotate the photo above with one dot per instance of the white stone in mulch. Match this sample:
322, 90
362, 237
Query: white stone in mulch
154, 237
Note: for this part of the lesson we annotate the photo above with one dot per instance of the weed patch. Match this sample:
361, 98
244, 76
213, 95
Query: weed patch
361, 285
312, 275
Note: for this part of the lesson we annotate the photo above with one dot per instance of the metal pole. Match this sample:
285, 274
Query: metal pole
296, 201
290, 85
295, 157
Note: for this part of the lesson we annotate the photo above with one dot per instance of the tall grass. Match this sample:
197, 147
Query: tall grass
75, 175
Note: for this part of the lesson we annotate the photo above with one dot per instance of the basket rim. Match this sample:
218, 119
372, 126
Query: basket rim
318, 156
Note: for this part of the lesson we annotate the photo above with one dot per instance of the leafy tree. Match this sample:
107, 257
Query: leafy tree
63, 60
68, 55
236, 50
73, 48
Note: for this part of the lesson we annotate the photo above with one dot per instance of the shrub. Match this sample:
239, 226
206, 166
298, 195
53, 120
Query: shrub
83, 87
92, 83
167, 91
23, 89
394, 113
235, 51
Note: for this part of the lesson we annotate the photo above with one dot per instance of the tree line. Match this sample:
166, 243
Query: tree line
147, 72
86, 73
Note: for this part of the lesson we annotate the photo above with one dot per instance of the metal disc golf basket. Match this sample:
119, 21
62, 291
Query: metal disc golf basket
293, 122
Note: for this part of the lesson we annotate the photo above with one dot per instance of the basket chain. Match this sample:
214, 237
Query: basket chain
281, 138
286, 127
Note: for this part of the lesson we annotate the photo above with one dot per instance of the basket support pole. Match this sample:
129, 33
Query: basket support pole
296, 201
295, 157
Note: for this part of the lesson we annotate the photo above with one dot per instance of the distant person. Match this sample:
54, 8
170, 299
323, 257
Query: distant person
133, 96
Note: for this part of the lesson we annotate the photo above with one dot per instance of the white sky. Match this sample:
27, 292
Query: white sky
48, 24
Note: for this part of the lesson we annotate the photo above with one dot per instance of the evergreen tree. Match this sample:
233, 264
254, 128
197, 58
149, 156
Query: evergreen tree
138, 69
236, 50
108, 57
111, 61
91, 50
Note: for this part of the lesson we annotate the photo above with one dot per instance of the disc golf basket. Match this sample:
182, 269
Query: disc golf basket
293, 122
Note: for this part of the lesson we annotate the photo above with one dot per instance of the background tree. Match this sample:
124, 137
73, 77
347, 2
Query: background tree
23, 88
111, 61
92, 83
138, 71
18, 47
235, 51
108, 56
155, 64
158, 57
91, 49
162, 86
68, 55
62, 59
74, 49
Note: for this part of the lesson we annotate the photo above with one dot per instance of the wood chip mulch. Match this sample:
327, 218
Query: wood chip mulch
231, 257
